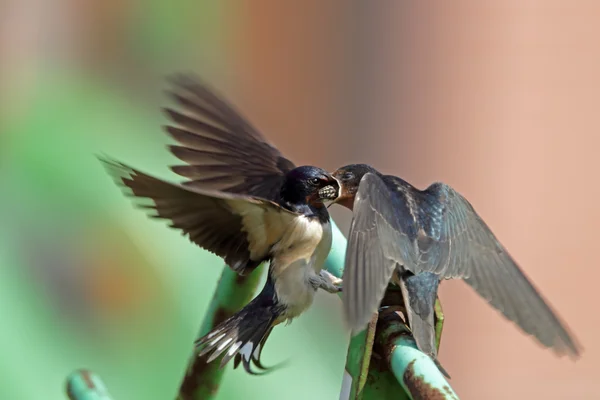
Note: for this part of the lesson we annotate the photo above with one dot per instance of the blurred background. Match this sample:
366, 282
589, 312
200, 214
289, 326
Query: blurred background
499, 100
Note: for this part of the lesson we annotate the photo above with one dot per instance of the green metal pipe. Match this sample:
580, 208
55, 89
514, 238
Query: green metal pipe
85, 385
404, 366
415, 371
337, 256
202, 379
407, 368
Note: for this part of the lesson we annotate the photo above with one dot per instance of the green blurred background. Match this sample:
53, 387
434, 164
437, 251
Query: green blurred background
497, 99
87, 281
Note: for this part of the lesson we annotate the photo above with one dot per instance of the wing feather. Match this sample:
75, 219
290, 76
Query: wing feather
440, 232
221, 149
367, 271
240, 229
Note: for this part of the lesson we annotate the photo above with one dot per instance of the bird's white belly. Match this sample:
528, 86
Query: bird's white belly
297, 264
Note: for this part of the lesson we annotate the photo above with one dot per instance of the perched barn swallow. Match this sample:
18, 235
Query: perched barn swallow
415, 238
248, 204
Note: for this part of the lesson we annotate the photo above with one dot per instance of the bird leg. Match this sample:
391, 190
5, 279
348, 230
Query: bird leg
326, 281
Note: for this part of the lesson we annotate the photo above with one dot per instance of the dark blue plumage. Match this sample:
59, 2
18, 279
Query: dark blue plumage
422, 292
245, 202
299, 191
416, 238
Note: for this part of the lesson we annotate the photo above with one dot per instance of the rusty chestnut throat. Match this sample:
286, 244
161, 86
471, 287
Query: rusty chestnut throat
245, 202
415, 238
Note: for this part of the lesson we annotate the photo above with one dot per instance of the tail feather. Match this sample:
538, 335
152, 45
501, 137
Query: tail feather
419, 293
243, 335
255, 357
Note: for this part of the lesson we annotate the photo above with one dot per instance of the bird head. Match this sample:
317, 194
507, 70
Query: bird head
348, 178
310, 185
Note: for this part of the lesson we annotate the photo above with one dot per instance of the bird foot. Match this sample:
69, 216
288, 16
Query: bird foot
329, 282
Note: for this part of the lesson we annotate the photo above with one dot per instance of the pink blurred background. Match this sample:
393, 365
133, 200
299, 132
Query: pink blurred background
496, 99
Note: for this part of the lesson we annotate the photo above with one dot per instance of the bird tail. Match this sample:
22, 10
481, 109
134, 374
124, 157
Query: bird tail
243, 335
419, 293
423, 332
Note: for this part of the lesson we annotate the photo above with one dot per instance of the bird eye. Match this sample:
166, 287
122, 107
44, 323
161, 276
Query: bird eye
315, 181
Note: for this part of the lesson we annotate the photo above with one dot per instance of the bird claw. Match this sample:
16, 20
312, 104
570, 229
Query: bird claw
329, 282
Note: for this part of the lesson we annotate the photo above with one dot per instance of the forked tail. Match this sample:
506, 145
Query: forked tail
243, 335
420, 292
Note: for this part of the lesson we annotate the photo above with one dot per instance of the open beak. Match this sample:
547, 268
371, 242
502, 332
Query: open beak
331, 192
345, 197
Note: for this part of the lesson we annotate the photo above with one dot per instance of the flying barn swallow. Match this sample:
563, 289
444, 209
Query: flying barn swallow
415, 238
246, 203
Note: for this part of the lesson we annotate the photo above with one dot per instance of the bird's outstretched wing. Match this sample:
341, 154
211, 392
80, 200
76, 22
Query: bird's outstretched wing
437, 230
367, 271
221, 149
241, 229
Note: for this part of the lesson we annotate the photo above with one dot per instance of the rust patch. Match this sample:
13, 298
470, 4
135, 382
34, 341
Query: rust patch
220, 315
201, 373
198, 375
386, 333
418, 388
87, 378
393, 298
241, 279
69, 390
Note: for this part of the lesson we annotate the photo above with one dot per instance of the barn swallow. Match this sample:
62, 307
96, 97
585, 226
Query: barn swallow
246, 203
415, 238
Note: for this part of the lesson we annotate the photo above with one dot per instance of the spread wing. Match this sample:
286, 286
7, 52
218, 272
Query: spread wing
437, 230
367, 271
240, 229
222, 151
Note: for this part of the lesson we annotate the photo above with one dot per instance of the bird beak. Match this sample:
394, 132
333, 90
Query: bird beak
340, 184
344, 196
330, 192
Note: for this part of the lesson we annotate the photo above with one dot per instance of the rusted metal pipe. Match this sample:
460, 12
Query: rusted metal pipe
85, 385
202, 379
410, 369
415, 371
233, 292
